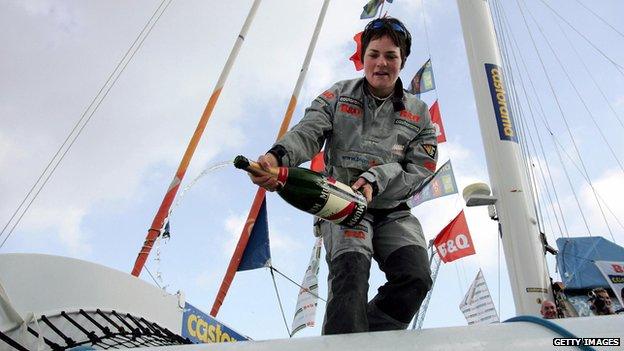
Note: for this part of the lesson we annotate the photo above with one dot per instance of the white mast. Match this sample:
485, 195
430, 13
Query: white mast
528, 273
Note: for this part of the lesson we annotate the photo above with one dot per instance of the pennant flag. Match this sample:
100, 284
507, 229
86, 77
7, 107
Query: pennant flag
436, 119
477, 306
454, 241
441, 184
306, 302
423, 81
356, 57
371, 8
614, 274
318, 163
258, 252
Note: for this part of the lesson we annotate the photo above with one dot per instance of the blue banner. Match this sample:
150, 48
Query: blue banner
498, 91
200, 328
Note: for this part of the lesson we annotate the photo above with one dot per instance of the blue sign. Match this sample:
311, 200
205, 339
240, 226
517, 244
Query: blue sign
506, 126
199, 327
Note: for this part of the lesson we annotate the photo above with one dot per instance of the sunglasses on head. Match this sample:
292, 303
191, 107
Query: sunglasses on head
380, 23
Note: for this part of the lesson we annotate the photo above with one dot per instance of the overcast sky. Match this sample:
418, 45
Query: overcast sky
56, 55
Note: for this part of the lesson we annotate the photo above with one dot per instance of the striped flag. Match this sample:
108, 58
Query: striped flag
307, 301
477, 306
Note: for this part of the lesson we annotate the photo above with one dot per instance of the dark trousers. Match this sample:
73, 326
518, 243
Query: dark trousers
397, 301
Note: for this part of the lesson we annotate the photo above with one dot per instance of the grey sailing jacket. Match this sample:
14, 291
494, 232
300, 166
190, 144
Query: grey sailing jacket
392, 145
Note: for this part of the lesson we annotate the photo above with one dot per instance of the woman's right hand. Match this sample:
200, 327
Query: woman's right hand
268, 182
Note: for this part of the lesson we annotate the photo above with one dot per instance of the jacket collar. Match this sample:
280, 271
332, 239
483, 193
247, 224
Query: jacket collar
397, 95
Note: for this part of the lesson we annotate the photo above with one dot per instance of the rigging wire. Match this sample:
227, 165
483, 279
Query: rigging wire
600, 18
591, 115
279, 300
552, 135
592, 118
584, 177
517, 110
550, 84
78, 128
580, 58
154, 279
554, 138
530, 138
615, 64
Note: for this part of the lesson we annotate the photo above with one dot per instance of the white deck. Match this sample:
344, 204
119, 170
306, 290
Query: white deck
504, 336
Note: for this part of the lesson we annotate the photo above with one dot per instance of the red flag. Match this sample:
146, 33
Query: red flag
454, 240
318, 163
356, 58
436, 119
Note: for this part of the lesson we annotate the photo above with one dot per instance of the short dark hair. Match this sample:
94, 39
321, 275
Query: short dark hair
392, 28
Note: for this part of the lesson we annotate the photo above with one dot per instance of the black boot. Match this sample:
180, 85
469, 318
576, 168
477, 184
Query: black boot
348, 293
409, 280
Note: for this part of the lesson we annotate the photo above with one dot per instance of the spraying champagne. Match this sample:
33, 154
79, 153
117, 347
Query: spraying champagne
312, 192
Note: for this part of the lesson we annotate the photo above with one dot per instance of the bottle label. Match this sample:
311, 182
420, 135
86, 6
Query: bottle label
343, 206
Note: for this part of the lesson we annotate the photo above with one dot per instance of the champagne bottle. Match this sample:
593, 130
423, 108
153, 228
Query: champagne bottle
312, 192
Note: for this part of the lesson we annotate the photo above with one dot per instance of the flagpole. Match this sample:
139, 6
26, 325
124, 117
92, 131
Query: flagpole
260, 194
163, 210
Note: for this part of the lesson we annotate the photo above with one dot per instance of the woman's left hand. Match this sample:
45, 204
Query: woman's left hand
364, 186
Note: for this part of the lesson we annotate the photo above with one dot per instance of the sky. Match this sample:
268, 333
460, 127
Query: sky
56, 55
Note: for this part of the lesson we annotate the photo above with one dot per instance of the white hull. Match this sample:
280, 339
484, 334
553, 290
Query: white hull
505, 336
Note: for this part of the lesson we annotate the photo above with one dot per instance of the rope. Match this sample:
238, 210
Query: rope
548, 325
54, 161
279, 300
297, 284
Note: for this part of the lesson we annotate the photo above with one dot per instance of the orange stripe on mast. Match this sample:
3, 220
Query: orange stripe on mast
260, 194
237, 256
163, 211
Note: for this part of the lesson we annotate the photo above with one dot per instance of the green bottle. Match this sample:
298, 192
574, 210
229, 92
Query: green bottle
312, 192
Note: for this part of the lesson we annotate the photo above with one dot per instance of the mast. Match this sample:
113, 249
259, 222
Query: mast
163, 211
261, 193
527, 269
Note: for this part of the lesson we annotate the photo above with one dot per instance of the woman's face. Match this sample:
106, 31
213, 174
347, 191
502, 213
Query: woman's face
382, 63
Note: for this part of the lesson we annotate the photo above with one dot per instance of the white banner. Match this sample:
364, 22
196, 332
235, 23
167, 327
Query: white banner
477, 306
614, 274
306, 303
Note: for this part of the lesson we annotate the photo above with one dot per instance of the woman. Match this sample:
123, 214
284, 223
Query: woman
380, 139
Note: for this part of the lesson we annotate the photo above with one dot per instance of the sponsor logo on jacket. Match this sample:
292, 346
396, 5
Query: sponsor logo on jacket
350, 110
430, 150
409, 116
351, 101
